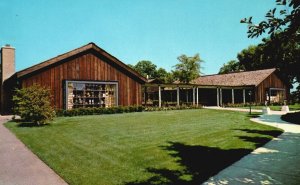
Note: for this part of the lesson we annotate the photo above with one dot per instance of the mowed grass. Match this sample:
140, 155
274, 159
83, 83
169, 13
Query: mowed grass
167, 147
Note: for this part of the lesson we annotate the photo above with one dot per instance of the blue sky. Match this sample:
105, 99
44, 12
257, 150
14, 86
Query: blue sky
131, 30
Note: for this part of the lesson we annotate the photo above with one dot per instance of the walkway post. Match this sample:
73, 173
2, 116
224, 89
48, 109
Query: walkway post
218, 103
221, 97
177, 96
244, 96
193, 96
250, 94
232, 95
159, 96
197, 97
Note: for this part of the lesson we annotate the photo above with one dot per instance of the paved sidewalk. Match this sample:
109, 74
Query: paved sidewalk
232, 109
19, 166
277, 162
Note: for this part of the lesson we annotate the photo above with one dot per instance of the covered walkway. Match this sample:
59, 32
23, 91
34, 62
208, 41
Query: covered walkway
158, 94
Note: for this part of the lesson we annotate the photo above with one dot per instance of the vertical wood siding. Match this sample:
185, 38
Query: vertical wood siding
85, 67
270, 82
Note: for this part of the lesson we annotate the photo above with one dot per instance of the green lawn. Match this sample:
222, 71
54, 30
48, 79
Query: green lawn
172, 147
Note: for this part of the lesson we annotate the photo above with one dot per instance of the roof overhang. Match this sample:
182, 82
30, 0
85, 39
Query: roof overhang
182, 85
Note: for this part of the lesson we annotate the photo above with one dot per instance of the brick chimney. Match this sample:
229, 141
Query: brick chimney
7, 62
7, 69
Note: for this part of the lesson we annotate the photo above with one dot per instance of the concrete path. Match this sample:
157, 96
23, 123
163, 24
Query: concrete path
232, 109
277, 162
19, 166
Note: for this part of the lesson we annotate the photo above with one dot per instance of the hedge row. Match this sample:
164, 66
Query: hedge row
115, 110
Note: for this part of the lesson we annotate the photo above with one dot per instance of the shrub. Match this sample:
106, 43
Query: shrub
116, 110
32, 104
292, 117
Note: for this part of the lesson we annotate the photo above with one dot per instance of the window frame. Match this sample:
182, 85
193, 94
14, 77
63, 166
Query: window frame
65, 89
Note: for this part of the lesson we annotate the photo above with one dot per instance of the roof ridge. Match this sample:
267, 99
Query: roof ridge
74, 52
234, 79
237, 72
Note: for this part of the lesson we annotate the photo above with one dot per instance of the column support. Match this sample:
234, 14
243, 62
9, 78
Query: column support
218, 99
197, 97
159, 96
244, 96
232, 95
177, 96
269, 96
193, 96
221, 97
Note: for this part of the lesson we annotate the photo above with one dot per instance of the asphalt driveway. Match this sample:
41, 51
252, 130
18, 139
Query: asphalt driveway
19, 166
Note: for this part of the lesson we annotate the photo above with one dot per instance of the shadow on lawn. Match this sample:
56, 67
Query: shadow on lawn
273, 133
31, 124
201, 162
24, 123
261, 140
254, 115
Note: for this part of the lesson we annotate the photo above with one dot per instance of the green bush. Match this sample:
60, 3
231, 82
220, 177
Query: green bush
99, 111
33, 104
292, 117
116, 110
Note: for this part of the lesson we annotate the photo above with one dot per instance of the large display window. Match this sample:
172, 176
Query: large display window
79, 94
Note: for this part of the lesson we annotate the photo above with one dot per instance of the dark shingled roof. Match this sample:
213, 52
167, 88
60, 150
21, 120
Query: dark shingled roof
247, 78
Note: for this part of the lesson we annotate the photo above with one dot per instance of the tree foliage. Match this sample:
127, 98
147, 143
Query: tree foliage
282, 48
33, 104
285, 18
145, 68
148, 69
296, 95
273, 53
188, 68
164, 76
231, 66
251, 58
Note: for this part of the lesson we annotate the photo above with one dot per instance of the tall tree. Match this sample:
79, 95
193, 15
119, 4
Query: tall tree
145, 68
231, 66
273, 53
282, 48
131, 66
162, 75
286, 20
188, 68
251, 58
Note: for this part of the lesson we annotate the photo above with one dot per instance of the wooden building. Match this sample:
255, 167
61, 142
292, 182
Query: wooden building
248, 86
90, 77
84, 77
221, 89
